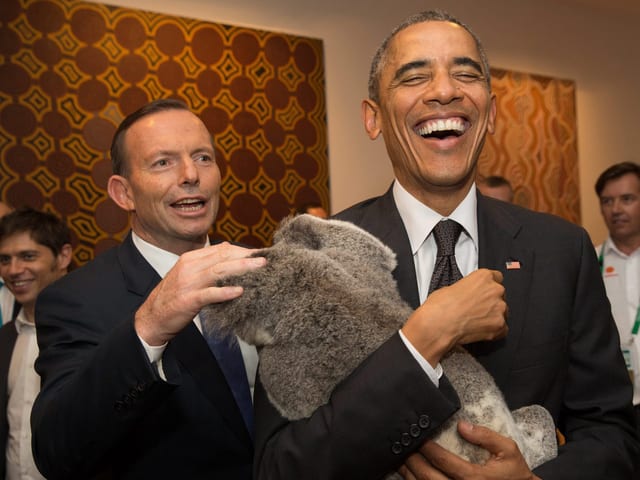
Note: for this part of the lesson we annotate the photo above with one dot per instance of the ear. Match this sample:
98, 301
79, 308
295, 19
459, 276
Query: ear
371, 118
120, 192
64, 257
491, 125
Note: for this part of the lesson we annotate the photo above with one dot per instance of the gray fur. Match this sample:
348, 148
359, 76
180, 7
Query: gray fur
323, 303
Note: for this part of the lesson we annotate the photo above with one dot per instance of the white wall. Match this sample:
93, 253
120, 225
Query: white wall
596, 48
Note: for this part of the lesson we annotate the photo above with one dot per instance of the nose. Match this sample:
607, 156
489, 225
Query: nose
442, 88
190, 173
616, 205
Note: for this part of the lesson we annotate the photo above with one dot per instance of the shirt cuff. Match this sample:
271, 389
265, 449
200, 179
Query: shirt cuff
434, 374
155, 355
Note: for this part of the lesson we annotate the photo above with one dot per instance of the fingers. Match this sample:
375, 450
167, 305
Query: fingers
417, 467
189, 286
471, 310
491, 441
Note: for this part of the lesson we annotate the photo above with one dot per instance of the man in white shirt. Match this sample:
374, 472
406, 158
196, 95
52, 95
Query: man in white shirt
618, 189
35, 250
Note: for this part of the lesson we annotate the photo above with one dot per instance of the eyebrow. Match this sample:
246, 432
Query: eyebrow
458, 61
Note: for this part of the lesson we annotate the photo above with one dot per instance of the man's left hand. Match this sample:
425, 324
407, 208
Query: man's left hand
435, 463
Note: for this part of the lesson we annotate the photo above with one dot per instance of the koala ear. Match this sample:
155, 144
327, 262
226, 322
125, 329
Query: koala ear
302, 230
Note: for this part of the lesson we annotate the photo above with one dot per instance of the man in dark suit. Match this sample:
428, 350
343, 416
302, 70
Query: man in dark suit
430, 99
130, 388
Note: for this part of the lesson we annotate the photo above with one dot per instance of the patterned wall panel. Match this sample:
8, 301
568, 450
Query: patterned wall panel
535, 143
72, 70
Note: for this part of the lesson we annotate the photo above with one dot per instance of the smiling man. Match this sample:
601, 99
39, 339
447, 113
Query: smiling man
430, 100
35, 250
618, 189
130, 385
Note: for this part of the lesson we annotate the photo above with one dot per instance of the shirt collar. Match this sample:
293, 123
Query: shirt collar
22, 325
419, 219
161, 260
610, 247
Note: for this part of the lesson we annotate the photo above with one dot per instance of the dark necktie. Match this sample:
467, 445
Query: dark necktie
229, 357
445, 272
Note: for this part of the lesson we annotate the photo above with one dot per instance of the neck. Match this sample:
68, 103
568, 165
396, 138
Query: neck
29, 312
627, 245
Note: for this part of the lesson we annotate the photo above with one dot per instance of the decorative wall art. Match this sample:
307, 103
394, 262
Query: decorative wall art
535, 143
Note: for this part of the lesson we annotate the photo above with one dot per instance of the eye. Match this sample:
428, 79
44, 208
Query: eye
162, 162
4, 259
29, 256
414, 79
467, 76
204, 158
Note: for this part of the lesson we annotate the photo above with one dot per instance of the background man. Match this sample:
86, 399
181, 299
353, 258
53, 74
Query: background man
497, 187
8, 307
130, 387
618, 189
313, 208
35, 250
430, 99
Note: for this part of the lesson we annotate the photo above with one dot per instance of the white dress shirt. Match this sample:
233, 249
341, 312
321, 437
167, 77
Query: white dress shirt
162, 261
7, 301
23, 386
419, 221
621, 276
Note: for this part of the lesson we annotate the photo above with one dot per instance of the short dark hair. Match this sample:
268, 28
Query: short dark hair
380, 57
304, 208
43, 227
616, 171
495, 181
119, 164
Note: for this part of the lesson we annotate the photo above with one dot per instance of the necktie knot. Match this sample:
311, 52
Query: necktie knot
446, 271
446, 234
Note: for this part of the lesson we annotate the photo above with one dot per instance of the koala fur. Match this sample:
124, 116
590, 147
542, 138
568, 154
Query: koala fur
325, 300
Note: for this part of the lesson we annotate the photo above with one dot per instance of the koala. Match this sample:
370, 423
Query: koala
327, 299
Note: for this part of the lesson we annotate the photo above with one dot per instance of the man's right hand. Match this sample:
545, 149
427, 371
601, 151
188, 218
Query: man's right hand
471, 310
188, 287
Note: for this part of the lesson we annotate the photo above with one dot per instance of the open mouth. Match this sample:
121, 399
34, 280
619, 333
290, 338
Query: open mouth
442, 128
189, 204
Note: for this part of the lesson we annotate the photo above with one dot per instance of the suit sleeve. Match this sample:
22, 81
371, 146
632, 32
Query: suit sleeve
374, 419
97, 383
596, 415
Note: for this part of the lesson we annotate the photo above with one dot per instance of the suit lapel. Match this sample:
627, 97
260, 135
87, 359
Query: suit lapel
392, 233
189, 347
498, 242
193, 353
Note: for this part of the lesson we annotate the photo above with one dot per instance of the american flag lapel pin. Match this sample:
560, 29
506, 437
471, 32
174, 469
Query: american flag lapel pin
512, 265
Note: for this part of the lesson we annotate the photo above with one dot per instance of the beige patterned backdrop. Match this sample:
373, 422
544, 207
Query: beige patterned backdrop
535, 143
70, 71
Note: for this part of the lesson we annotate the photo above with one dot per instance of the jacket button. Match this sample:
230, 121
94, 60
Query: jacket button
414, 430
424, 421
405, 440
396, 448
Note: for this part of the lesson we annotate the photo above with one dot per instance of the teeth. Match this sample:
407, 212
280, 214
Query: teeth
442, 125
188, 201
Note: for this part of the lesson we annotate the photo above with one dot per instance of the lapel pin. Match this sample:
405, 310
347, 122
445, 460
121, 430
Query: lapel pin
513, 265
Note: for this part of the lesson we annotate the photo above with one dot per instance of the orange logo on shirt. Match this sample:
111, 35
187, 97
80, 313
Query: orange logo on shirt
609, 271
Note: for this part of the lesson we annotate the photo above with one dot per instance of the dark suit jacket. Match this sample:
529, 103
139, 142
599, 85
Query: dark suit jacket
8, 337
562, 351
103, 410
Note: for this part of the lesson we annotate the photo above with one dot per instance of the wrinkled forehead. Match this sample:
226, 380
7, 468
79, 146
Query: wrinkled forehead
432, 40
